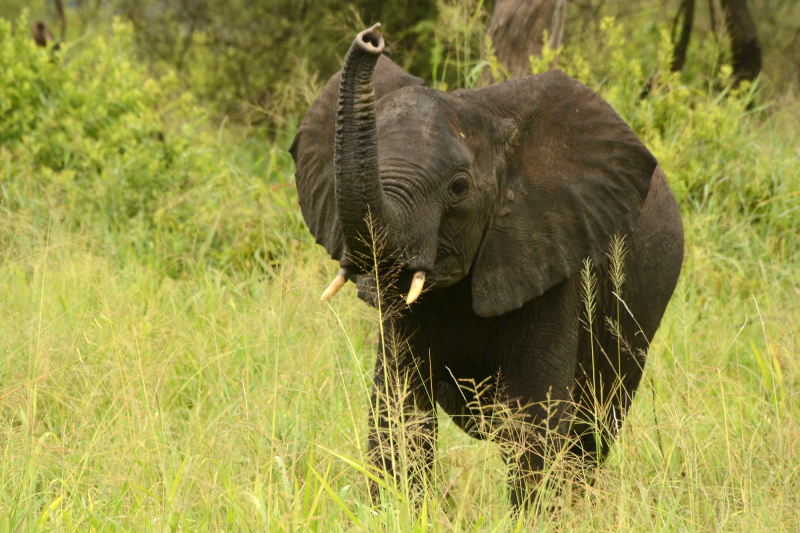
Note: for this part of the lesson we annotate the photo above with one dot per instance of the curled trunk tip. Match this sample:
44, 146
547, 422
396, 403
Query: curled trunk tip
371, 40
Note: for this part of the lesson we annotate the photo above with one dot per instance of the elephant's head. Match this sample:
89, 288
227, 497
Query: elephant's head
513, 184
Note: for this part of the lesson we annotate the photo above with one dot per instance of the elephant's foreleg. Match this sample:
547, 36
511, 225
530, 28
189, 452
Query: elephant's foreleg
403, 427
537, 453
600, 414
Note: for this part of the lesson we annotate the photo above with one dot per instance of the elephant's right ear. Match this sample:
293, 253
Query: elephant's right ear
312, 151
573, 175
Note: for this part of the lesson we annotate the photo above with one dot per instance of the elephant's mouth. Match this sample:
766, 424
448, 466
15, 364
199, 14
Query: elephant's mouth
446, 272
410, 282
409, 279
449, 267
406, 277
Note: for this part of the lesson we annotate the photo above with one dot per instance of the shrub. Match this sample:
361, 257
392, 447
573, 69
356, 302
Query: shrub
89, 140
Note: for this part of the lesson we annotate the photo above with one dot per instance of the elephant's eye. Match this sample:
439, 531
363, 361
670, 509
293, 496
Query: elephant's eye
459, 186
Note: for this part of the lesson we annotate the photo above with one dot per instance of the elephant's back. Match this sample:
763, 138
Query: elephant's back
655, 255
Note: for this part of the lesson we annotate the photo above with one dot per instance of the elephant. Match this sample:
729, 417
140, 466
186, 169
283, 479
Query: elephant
496, 210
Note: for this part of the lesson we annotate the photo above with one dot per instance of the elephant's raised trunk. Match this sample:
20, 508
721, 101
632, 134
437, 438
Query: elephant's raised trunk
362, 207
355, 157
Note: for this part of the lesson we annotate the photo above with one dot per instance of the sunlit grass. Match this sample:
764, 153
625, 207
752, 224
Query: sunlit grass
223, 395
131, 399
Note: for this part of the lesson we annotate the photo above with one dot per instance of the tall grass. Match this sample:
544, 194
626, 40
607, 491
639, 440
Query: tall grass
224, 396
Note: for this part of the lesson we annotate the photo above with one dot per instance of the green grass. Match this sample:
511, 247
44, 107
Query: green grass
134, 401
171, 367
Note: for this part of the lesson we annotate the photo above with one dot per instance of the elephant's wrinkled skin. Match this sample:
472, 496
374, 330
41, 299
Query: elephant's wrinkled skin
496, 195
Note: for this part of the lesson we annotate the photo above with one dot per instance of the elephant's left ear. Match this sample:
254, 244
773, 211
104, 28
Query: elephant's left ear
574, 174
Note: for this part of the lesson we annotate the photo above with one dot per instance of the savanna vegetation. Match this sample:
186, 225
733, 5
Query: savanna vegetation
165, 361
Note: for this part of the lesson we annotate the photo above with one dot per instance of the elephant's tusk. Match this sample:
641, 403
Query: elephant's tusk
416, 287
336, 284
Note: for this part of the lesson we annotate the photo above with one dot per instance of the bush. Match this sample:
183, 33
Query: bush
89, 140
244, 58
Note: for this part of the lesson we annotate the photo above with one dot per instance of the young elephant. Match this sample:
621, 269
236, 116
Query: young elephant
492, 198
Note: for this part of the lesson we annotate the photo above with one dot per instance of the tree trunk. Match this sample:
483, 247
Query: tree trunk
517, 32
745, 48
63, 16
679, 55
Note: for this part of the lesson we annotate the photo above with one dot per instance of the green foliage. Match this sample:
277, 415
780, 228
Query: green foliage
87, 138
498, 71
243, 56
261, 73
456, 36
244, 59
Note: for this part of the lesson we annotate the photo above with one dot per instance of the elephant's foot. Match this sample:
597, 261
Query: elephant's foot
543, 471
402, 454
